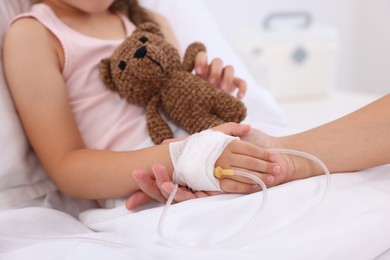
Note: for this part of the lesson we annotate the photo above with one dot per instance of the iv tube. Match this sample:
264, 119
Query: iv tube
224, 242
173, 193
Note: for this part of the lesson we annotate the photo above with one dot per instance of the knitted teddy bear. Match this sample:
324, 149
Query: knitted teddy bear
146, 70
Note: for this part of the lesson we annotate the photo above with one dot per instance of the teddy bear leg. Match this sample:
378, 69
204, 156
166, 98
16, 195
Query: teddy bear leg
159, 130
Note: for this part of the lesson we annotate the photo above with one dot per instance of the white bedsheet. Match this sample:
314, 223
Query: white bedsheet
352, 223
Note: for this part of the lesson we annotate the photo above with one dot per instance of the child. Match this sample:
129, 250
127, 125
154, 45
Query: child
86, 137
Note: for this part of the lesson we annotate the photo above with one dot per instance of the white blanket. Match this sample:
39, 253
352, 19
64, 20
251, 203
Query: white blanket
352, 223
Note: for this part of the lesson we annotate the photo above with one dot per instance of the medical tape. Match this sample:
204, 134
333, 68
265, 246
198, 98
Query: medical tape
194, 159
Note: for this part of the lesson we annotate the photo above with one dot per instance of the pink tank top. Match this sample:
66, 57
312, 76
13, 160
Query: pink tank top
105, 120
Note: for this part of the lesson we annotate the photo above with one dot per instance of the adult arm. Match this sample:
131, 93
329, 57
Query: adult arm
354, 142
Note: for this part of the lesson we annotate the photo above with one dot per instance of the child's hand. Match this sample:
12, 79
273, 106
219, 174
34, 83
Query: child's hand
247, 157
216, 74
159, 188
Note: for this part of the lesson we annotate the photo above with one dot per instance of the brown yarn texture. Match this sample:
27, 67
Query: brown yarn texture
147, 71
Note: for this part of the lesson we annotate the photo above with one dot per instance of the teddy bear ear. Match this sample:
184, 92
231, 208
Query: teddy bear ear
105, 73
150, 27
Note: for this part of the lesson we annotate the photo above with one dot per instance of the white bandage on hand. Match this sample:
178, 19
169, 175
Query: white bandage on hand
194, 159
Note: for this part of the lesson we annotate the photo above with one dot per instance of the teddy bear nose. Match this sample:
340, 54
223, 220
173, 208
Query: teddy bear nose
140, 53
143, 39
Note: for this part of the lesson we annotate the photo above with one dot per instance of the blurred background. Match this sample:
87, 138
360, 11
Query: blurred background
354, 32
332, 55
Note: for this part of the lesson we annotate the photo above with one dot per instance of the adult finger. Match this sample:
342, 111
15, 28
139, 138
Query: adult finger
137, 199
233, 129
184, 193
161, 176
147, 185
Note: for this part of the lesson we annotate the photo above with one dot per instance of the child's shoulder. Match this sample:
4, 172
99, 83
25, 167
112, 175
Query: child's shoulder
26, 29
28, 37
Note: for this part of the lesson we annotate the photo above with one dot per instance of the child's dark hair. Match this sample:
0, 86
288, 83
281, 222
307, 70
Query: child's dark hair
132, 10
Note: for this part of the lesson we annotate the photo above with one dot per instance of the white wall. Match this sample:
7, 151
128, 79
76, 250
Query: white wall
373, 46
363, 25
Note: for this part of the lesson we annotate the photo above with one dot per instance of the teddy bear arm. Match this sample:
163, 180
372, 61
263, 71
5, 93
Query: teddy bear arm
189, 57
158, 129
105, 74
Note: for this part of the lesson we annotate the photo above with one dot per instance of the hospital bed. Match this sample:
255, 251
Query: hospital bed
36, 221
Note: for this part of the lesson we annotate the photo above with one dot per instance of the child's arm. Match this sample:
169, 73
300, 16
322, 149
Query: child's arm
33, 72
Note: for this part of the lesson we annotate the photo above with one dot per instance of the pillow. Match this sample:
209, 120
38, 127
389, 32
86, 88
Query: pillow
21, 176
